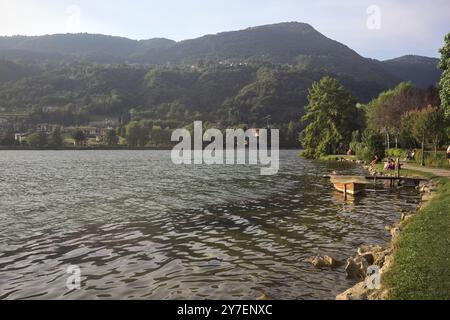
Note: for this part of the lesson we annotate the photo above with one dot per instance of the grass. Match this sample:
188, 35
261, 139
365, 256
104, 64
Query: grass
405, 172
421, 267
334, 157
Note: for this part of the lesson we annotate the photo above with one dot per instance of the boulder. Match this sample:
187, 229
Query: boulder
263, 297
325, 262
356, 268
358, 292
395, 231
405, 217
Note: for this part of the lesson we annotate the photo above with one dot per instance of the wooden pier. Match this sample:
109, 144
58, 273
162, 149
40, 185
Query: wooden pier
356, 184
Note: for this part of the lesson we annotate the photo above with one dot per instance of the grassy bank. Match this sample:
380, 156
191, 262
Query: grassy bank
404, 172
421, 267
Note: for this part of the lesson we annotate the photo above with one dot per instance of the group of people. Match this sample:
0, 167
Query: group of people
390, 165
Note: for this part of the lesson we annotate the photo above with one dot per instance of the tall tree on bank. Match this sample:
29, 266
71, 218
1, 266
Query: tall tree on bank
385, 112
331, 117
444, 84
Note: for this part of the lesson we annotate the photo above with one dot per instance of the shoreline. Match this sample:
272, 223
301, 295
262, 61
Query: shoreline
105, 148
381, 256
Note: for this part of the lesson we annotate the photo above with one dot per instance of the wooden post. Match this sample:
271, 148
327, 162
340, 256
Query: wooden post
345, 191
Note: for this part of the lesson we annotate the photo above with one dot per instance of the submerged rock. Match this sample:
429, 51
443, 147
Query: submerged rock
325, 262
356, 268
263, 297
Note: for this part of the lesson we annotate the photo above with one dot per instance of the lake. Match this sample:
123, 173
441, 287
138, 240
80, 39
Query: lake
140, 227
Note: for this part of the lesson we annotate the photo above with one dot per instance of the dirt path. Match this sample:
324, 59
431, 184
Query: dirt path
436, 171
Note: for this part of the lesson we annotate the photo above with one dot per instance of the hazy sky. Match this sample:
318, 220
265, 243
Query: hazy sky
397, 27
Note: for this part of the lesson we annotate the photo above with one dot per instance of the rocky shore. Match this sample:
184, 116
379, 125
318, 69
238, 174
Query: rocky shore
380, 256
375, 256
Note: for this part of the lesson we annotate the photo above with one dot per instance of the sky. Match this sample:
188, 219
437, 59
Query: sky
379, 29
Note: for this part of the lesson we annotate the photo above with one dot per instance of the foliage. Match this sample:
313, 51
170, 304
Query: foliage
427, 125
55, 139
397, 153
137, 135
8, 139
111, 137
79, 136
385, 112
444, 84
38, 139
330, 118
371, 146
433, 159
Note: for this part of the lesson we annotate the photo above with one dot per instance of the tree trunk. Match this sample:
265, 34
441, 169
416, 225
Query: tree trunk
396, 142
388, 138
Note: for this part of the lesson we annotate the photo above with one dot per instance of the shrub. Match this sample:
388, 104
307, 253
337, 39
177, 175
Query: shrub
372, 144
397, 153
432, 159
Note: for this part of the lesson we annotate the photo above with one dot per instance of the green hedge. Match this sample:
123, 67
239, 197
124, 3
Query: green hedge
397, 153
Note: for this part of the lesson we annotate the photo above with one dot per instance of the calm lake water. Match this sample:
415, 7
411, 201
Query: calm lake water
140, 227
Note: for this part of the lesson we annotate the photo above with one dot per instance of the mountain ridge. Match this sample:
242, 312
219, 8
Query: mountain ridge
292, 43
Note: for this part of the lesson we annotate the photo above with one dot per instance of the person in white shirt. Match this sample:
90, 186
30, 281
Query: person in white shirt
448, 154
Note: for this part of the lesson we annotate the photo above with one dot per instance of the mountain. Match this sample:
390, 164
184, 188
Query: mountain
423, 71
236, 77
283, 43
291, 43
69, 47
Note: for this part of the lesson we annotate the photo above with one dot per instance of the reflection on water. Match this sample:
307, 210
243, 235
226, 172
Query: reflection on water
140, 227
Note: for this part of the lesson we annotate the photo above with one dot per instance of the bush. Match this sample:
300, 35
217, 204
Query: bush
438, 160
397, 153
372, 144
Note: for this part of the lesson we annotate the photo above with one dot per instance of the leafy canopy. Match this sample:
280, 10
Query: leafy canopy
331, 117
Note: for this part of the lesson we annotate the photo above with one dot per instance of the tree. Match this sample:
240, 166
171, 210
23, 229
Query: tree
330, 115
38, 139
55, 138
8, 139
111, 137
132, 133
136, 134
371, 146
444, 84
79, 137
384, 113
159, 136
428, 125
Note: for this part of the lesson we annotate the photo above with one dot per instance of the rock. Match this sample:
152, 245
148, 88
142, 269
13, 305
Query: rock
405, 217
356, 268
358, 292
427, 197
325, 262
369, 258
362, 250
395, 231
263, 297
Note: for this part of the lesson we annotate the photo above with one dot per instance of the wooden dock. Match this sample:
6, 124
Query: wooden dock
356, 184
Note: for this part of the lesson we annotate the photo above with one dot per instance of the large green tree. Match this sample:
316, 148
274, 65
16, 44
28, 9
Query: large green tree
137, 134
331, 117
384, 113
444, 84
56, 139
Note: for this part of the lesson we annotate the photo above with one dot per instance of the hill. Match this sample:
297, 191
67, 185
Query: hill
423, 71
